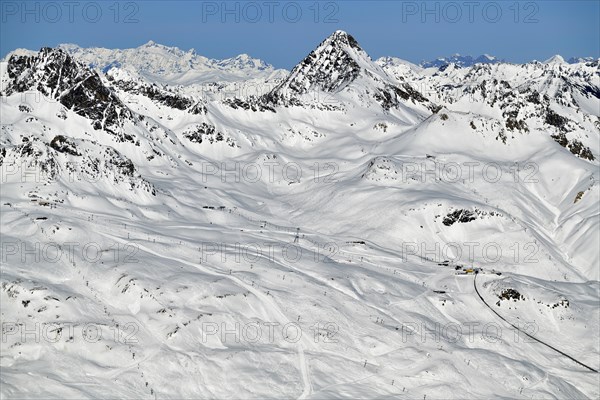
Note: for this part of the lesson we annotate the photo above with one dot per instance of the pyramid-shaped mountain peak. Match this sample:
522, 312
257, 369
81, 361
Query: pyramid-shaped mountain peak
341, 38
335, 63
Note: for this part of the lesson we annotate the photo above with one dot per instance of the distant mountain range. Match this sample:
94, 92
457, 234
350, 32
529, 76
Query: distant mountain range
165, 64
461, 61
469, 61
170, 64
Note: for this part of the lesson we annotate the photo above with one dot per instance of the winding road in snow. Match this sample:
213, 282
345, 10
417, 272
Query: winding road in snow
528, 335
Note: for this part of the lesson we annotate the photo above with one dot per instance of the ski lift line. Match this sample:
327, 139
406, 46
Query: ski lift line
343, 255
522, 331
288, 229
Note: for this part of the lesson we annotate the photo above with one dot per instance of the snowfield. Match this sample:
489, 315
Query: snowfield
179, 227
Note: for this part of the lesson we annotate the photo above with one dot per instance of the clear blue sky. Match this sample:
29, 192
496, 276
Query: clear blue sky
283, 32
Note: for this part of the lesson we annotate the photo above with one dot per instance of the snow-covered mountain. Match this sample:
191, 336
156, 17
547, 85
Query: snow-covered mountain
184, 71
173, 66
309, 234
577, 60
469, 61
461, 61
556, 97
340, 73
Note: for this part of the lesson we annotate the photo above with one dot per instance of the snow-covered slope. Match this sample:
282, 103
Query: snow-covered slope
313, 239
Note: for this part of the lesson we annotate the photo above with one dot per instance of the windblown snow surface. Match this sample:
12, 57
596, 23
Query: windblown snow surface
309, 238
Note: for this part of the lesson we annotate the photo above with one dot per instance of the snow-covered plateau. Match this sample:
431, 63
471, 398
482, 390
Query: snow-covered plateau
179, 227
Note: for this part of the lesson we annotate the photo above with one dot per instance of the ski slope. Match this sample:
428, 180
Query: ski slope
308, 241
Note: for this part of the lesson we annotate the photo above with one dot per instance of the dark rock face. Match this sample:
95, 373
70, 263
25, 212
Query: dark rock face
161, 95
462, 216
511, 294
512, 124
251, 104
207, 132
198, 109
64, 145
170, 100
574, 146
391, 96
589, 90
55, 74
556, 120
329, 68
